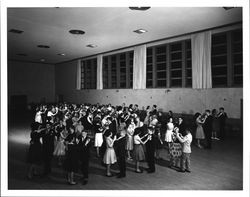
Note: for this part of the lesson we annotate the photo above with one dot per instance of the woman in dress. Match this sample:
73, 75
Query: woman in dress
71, 162
130, 133
169, 132
138, 148
35, 150
109, 156
199, 129
59, 150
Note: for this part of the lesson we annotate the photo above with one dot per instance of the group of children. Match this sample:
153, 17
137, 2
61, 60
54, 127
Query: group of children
67, 132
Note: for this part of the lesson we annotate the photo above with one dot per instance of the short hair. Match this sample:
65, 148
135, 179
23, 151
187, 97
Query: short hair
222, 108
207, 110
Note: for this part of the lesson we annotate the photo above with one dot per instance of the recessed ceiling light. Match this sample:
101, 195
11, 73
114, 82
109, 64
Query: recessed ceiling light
43, 46
16, 31
228, 8
139, 8
22, 54
61, 54
140, 31
42, 60
91, 45
77, 32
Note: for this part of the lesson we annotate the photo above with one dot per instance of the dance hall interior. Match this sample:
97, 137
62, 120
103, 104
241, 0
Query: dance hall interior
125, 98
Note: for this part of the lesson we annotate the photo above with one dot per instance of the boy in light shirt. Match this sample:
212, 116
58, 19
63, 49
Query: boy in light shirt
186, 150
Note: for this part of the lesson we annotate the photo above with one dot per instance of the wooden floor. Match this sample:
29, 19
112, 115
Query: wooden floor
218, 169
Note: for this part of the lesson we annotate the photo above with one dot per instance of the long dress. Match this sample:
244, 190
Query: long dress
199, 130
35, 149
130, 132
109, 156
138, 149
60, 146
169, 132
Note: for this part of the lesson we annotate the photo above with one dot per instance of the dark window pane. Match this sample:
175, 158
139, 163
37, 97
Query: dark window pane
189, 82
219, 60
149, 84
175, 65
189, 54
237, 47
149, 51
189, 73
176, 56
161, 83
149, 59
237, 35
122, 64
238, 80
122, 56
161, 58
219, 39
219, 50
176, 73
189, 64
149, 76
217, 81
113, 58
175, 47
188, 44
219, 71
123, 85
149, 67
161, 75
161, 49
238, 58
176, 83
161, 66
238, 70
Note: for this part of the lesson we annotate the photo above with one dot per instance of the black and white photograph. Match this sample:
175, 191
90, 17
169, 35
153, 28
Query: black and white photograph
124, 99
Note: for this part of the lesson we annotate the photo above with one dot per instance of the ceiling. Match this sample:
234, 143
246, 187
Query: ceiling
109, 28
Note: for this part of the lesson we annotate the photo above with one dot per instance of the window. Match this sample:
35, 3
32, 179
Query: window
169, 65
227, 69
118, 70
88, 74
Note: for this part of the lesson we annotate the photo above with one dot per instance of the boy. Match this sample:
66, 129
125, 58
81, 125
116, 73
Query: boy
186, 150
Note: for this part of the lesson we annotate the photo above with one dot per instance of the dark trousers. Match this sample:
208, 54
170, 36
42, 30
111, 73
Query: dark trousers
122, 165
47, 163
185, 161
85, 168
151, 160
222, 131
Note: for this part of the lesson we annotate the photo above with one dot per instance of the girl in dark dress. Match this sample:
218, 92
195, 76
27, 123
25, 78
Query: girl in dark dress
35, 150
71, 161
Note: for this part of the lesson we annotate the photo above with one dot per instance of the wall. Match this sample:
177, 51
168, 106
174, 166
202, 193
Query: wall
35, 80
179, 100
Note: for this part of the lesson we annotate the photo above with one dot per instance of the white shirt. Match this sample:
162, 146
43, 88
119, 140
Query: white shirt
186, 140
137, 139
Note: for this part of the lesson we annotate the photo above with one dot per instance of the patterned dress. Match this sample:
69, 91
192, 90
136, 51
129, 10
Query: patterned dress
109, 156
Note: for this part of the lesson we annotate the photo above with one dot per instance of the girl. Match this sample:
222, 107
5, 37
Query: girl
130, 133
98, 129
199, 130
71, 156
169, 132
138, 149
109, 156
60, 146
35, 150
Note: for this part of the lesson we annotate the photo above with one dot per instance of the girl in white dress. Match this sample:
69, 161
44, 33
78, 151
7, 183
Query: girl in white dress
199, 130
130, 133
169, 132
109, 156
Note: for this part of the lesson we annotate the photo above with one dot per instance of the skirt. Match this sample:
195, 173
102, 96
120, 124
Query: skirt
59, 149
199, 133
139, 152
98, 139
168, 137
129, 143
175, 150
109, 156
34, 153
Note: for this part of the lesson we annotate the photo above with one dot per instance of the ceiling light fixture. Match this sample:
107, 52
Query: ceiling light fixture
91, 45
43, 46
140, 31
61, 54
76, 32
16, 31
228, 8
139, 8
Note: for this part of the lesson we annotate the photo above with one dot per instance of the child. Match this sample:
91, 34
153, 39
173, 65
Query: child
186, 150
130, 133
138, 149
109, 156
